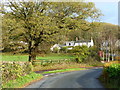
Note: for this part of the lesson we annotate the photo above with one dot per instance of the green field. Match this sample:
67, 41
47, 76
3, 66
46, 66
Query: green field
8, 57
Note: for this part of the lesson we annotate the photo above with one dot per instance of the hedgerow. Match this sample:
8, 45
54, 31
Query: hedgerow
111, 75
113, 70
11, 71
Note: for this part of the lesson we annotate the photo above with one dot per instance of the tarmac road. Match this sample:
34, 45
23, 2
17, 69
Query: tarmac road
75, 79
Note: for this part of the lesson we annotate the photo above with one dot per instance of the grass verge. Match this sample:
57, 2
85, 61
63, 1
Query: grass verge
63, 70
22, 81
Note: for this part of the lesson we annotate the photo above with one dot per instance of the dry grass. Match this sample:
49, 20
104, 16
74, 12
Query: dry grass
60, 66
109, 63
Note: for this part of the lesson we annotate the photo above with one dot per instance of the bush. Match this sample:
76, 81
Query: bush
92, 61
21, 82
109, 63
94, 53
81, 53
64, 49
111, 75
56, 50
27, 67
11, 71
113, 70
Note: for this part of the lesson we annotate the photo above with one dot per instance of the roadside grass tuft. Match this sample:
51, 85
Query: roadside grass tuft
63, 70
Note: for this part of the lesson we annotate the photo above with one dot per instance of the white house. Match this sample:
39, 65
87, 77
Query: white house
55, 46
89, 43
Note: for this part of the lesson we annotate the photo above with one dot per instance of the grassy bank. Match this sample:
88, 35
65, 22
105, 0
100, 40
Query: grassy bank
22, 81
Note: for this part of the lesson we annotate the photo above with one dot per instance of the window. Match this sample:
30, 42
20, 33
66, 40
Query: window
69, 44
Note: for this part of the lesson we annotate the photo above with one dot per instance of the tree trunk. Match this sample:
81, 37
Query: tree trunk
32, 51
29, 55
113, 56
108, 57
103, 56
33, 54
32, 57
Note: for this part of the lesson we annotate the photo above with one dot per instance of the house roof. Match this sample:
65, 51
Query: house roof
80, 41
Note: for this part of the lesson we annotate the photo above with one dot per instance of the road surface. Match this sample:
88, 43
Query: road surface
75, 79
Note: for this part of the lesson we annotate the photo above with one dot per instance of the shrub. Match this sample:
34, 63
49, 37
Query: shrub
111, 75
64, 49
21, 82
94, 53
56, 50
109, 63
11, 71
81, 53
27, 67
113, 70
92, 61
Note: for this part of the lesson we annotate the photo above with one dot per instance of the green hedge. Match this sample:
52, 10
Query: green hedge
113, 70
111, 75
